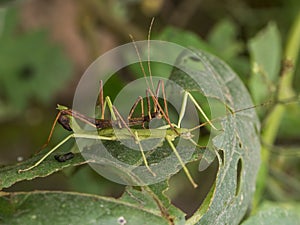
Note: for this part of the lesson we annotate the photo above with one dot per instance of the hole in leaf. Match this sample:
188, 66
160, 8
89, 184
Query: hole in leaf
26, 73
238, 176
221, 154
240, 144
187, 198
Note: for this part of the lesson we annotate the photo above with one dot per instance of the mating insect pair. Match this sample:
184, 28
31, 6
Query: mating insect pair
154, 111
127, 128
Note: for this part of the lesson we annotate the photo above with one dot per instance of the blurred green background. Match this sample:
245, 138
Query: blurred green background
46, 45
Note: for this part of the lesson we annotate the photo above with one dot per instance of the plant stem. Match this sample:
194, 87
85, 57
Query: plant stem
273, 120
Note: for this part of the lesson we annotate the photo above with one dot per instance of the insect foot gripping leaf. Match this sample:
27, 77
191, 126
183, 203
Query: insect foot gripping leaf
236, 145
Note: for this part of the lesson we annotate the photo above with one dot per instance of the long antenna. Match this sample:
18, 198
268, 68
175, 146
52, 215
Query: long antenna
283, 101
140, 59
148, 43
148, 56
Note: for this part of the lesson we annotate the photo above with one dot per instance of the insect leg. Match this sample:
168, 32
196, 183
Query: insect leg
200, 109
149, 105
143, 154
136, 139
139, 99
110, 107
164, 97
51, 132
100, 99
162, 112
182, 110
47, 154
169, 140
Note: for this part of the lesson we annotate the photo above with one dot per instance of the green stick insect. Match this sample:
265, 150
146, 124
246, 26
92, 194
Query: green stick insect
105, 131
127, 128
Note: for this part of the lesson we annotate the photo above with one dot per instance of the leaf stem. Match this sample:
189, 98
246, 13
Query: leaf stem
273, 120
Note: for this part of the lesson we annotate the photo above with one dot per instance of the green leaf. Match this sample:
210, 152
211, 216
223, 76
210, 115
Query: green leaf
276, 213
182, 37
31, 67
290, 122
222, 42
45, 207
9, 175
223, 38
238, 144
265, 52
152, 197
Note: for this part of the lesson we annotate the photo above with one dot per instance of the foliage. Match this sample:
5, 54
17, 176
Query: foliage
277, 213
246, 177
236, 142
28, 62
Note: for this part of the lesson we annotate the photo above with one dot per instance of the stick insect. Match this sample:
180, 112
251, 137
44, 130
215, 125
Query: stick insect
106, 133
137, 134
